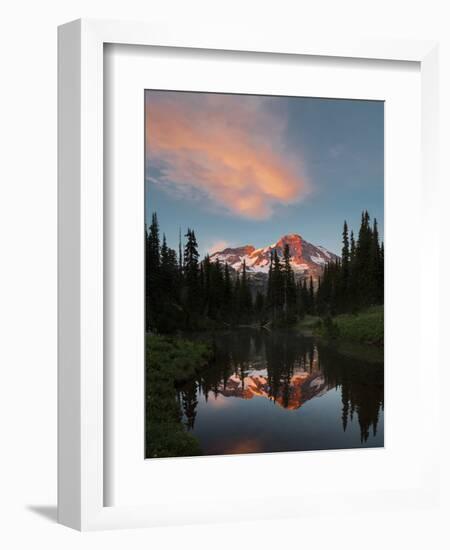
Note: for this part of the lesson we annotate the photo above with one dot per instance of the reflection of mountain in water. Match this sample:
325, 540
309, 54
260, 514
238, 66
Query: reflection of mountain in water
289, 370
301, 386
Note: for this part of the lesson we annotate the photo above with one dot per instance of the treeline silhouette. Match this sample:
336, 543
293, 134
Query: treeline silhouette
186, 293
356, 280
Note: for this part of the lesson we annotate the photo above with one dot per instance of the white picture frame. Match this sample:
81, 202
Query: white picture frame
81, 480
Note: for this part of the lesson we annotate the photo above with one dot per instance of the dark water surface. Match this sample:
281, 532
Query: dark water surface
281, 391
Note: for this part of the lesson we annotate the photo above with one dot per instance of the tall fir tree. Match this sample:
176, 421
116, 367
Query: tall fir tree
352, 246
345, 259
236, 300
312, 308
290, 294
277, 288
191, 278
180, 253
227, 295
152, 272
269, 292
245, 298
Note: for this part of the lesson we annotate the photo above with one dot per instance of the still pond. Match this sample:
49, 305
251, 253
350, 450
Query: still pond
282, 391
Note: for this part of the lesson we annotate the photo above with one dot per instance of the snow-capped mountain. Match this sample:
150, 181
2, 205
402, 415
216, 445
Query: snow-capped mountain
306, 259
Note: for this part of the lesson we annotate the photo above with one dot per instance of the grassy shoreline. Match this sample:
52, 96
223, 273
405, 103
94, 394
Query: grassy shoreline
365, 327
170, 361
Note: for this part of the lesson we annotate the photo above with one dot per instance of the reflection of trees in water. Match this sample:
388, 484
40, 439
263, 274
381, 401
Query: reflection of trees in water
362, 388
287, 354
189, 403
284, 354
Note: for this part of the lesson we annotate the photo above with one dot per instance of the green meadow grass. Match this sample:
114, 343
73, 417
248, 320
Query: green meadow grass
366, 327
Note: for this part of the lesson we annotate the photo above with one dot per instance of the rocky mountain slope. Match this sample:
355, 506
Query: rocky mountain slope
306, 259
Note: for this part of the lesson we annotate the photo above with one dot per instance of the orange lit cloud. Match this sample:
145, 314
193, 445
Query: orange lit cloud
229, 150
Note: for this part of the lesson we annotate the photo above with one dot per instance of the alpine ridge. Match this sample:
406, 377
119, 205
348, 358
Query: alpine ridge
307, 260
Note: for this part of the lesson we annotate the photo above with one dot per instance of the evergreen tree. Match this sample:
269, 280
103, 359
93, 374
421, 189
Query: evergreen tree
319, 299
237, 299
311, 296
227, 295
216, 290
362, 263
191, 278
305, 297
168, 318
180, 254
206, 291
352, 286
203, 296
269, 296
345, 258
376, 266
380, 297
153, 242
290, 294
168, 270
152, 279
352, 246
277, 288
245, 298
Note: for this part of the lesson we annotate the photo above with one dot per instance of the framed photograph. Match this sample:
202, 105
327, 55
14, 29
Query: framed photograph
235, 218
233, 329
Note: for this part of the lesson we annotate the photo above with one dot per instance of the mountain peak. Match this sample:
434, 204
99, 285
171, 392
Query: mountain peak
294, 242
290, 237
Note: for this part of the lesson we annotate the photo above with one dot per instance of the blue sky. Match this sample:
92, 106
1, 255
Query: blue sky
249, 169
